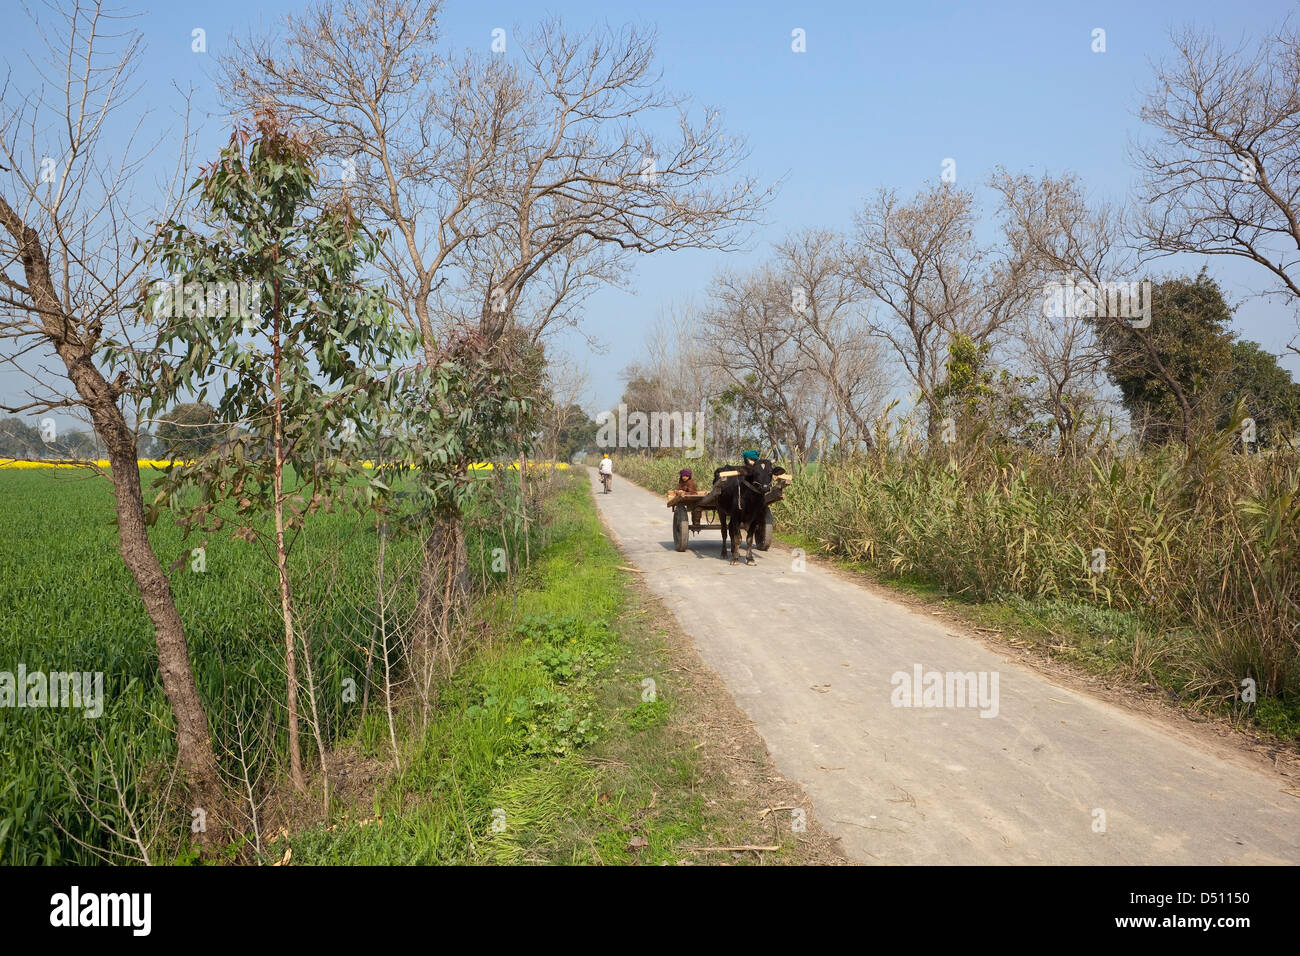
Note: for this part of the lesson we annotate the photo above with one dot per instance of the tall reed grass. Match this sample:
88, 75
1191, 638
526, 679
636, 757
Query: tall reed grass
1202, 543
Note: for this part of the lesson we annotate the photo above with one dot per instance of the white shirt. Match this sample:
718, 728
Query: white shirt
606, 466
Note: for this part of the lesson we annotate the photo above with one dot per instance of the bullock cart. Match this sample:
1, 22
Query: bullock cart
693, 513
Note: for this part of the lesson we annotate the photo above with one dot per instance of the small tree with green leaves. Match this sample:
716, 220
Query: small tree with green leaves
296, 372
480, 401
983, 402
573, 431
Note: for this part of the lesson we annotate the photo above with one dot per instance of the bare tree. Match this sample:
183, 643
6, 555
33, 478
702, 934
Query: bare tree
679, 363
921, 266
135, 823
1222, 174
499, 180
509, 185
675, 371
831, 333
1064, 237
759, 353
567, 384
69, 227
1063, 357
585, 180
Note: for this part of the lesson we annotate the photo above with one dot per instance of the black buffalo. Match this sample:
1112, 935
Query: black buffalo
742, 503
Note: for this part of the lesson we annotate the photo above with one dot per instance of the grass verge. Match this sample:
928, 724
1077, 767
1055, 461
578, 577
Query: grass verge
585, 732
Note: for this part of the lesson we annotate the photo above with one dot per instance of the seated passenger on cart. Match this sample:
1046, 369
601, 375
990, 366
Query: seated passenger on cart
686, 485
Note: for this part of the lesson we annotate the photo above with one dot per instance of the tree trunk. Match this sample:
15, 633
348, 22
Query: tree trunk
75, 346
290, 656
193, 741
282, 559
444, 566
523, 506
444, 577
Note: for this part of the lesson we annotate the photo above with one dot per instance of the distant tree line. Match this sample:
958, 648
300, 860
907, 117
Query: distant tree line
20, 440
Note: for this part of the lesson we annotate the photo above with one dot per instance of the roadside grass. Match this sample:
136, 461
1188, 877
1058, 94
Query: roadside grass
568, 739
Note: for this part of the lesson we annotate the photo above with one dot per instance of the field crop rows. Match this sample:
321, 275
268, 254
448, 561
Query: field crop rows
69, 604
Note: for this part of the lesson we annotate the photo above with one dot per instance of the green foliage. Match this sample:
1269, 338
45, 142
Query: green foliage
556, 717
980, 400
1189, 338
648, 713
479, 402
577, 433
71, 608
300, 372
737, 422
480, 786
968, 380
1266, 391
21, 440
512, 725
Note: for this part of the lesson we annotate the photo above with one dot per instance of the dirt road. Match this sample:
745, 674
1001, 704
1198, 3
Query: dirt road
918, 745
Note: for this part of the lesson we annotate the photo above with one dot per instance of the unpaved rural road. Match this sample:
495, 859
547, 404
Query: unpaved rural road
809, 657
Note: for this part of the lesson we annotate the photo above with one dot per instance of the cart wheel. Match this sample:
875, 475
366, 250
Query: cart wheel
681, 527
765, 530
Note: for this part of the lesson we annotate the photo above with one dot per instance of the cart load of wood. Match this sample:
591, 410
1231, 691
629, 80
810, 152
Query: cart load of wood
678, 497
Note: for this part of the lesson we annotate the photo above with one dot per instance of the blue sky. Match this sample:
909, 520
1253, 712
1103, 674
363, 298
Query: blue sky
884, 93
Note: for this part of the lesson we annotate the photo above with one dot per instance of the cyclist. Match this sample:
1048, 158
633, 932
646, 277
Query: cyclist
606, 470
